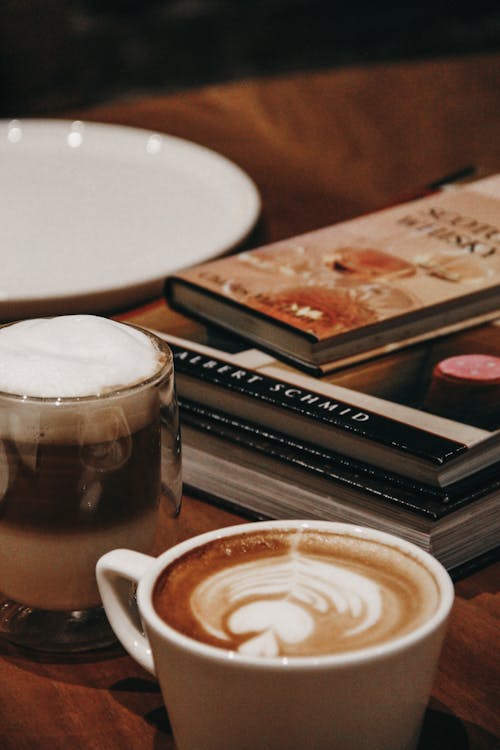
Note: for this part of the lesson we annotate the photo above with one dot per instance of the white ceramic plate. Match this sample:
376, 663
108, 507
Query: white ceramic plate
93, 217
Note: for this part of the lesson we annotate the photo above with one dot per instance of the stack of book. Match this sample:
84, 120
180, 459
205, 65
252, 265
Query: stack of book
403, 433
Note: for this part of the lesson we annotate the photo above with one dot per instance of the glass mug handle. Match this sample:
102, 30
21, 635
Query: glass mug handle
115, 571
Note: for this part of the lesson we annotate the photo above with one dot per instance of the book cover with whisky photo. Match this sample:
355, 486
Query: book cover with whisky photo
349, 290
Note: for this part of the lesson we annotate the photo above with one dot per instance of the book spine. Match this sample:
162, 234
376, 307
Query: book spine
363, 478
316, 407
254, 435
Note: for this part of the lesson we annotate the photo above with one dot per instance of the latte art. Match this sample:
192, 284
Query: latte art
276, 603
294, 593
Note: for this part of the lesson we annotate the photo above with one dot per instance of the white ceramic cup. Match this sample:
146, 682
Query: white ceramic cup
370, 699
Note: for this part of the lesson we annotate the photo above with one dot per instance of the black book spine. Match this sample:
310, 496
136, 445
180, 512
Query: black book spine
316, 407
422, 499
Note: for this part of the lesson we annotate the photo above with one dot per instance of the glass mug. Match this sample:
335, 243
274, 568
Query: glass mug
80, 475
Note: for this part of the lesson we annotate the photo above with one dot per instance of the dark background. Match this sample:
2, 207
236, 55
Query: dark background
56, 54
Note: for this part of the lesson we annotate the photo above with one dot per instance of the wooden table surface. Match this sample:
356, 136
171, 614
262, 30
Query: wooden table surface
321, 147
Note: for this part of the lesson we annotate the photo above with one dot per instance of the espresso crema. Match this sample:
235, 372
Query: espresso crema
277, 593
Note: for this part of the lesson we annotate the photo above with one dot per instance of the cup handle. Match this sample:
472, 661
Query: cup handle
115, 571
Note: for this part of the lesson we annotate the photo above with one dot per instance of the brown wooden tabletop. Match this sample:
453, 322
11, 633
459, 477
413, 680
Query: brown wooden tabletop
320, 147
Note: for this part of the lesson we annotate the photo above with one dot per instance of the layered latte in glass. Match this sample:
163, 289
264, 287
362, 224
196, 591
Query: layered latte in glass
80, 468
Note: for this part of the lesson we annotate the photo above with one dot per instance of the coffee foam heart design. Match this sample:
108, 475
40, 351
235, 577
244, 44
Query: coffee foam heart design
275, 621
283, 600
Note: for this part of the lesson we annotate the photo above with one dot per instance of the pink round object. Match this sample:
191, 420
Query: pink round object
480, 368
466, 388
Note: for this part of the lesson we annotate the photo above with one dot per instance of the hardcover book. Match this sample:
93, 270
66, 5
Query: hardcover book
378, 413
352, 289
264, 474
